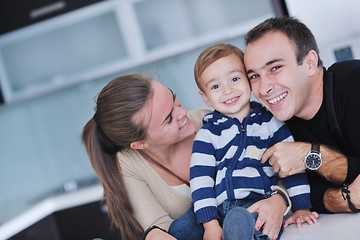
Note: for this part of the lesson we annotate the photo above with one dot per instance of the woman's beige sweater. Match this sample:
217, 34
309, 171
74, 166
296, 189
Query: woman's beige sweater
154, 202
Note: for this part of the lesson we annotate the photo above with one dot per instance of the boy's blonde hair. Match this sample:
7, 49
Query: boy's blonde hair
212, 54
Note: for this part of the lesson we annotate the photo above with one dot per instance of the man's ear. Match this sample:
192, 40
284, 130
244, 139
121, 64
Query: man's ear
139, 145
205, 99
311, 61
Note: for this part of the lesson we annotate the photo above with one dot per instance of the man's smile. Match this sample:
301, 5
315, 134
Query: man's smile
278, 98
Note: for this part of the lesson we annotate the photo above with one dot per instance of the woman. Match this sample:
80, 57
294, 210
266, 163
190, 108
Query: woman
139, 143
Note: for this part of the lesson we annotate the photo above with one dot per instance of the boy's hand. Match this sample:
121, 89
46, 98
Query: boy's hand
213, 231
301, 216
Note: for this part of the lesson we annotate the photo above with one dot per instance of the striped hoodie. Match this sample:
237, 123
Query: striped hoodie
225, 162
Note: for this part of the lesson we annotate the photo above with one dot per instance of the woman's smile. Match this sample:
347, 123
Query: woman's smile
183, 124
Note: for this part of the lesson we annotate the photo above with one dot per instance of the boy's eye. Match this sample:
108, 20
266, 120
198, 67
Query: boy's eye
235, 79
215, 87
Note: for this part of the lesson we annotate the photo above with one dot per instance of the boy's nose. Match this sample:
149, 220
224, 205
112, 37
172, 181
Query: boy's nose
227, 89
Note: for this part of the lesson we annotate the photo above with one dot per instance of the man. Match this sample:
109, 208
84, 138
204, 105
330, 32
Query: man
321, 108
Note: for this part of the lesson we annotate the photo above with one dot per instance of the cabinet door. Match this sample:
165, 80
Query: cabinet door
57, 53
21, 13
164, 22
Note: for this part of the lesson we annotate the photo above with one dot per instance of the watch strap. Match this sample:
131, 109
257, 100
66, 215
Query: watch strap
315, 147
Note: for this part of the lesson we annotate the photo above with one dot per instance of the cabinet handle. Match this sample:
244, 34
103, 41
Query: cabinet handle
48, 9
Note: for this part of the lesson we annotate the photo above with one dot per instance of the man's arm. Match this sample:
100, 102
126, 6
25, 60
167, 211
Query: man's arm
287, 158
334, 167
335, 202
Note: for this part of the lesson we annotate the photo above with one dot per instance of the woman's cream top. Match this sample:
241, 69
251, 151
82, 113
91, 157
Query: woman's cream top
154, 202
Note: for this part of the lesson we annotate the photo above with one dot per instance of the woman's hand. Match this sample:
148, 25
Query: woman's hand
270, 215
302, 216
157, 234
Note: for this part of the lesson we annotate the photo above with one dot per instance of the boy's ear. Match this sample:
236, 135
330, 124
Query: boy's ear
139, 145
204, 97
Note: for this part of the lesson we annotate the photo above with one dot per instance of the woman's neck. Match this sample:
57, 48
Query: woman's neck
175, 158
166, 154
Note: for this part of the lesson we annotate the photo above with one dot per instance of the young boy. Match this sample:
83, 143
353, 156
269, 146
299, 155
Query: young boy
226, 173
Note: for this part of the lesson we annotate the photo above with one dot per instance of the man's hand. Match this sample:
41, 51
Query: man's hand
270, 215
287, 158
213, 231
301, 216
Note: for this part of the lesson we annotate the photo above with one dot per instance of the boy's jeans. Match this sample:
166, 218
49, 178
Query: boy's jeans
186, 227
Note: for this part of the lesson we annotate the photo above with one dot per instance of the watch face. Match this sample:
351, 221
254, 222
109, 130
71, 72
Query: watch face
313, 161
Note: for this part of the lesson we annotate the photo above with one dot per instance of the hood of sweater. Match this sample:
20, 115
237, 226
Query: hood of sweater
218, 118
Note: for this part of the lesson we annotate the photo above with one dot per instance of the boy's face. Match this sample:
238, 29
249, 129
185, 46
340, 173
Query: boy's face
225, 87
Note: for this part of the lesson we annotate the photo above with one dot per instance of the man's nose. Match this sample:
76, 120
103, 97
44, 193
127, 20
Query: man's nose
265, 86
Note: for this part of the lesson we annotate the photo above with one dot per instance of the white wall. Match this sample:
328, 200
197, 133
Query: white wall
334, 24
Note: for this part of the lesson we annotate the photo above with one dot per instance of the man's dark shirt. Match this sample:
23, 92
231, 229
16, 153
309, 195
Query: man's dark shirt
346, 97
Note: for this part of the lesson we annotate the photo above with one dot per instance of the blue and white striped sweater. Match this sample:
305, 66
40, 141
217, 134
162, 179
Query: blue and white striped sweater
215, 175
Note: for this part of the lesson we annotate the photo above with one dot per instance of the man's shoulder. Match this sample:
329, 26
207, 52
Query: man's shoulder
346, 78
345, 67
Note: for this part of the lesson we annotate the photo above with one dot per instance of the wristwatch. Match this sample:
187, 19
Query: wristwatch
313, 159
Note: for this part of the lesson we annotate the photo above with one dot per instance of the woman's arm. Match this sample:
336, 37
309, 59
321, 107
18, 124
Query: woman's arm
158, 234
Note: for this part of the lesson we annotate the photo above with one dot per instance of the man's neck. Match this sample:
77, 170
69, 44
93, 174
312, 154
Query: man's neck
314, 97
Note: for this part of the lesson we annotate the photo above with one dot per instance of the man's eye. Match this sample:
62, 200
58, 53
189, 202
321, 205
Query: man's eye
214, 87
275, 68
253, 76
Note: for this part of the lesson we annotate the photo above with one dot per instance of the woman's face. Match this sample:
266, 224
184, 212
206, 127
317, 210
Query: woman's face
167, 120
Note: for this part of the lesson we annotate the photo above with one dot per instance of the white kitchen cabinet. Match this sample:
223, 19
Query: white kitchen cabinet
114, 35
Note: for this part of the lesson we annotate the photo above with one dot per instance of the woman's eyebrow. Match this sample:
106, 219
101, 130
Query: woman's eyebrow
169, 115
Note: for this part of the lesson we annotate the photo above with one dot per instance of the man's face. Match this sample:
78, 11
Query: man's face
276, 79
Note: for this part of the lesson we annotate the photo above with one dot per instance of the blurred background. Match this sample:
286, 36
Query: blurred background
55, 57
